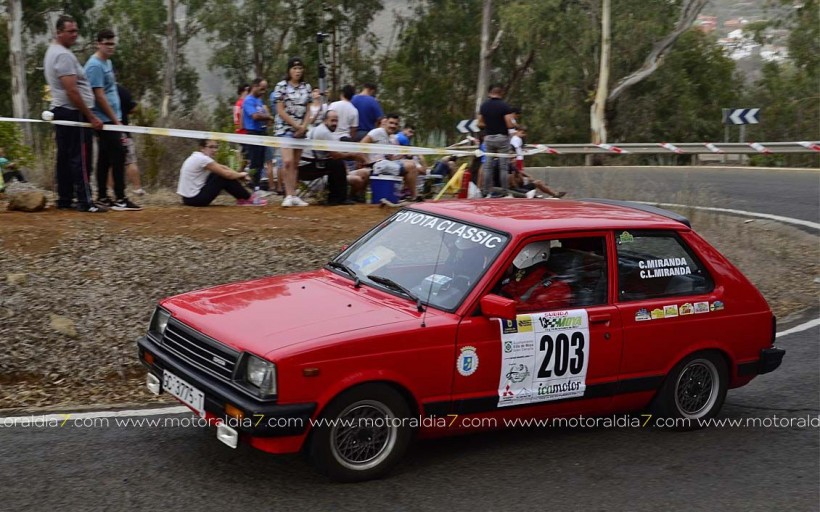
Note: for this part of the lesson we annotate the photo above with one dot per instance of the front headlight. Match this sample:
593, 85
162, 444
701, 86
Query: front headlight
159, 321
261, 374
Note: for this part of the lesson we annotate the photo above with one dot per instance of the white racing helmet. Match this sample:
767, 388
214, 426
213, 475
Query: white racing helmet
462, 244
536, 252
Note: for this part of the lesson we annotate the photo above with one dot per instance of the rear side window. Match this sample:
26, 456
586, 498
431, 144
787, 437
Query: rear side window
658, 264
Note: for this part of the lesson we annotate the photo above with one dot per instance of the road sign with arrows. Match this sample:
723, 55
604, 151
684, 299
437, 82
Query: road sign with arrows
468, 125
740, 115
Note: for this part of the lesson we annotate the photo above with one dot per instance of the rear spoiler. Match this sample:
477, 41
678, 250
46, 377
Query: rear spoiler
642, 207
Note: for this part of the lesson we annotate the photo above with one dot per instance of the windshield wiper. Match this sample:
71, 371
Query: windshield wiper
396, 286
347, 270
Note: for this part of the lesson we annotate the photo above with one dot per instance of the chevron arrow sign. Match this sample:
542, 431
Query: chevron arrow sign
740, 115
468, 125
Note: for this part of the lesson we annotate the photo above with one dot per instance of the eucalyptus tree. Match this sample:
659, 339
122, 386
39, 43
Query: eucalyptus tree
24, 21
637, 36
147, 63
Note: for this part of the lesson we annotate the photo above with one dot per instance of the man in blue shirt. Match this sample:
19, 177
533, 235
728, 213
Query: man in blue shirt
370, 110
405, 135
255, 119
111, 150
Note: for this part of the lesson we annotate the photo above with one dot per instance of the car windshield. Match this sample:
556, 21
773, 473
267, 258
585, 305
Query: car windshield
434, 260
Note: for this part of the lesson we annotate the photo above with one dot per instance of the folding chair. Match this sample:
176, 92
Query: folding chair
315, 188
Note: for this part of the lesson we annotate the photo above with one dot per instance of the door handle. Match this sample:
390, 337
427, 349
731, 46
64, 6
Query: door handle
600, 318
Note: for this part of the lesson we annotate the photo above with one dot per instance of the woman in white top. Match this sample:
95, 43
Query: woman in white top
290, 100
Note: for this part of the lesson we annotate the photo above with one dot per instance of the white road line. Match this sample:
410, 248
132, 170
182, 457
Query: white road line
59, 418
799, 328
778, 218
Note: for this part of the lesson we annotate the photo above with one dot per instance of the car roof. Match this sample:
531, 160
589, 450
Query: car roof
522, 216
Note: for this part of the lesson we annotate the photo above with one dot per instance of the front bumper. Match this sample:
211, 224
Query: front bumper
262, 418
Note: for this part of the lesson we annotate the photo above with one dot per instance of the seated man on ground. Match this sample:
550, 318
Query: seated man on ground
202, 178
328, 163
531, 284
391, 165
524, 183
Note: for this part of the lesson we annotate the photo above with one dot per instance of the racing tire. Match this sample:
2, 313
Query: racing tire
362, 436
693, 391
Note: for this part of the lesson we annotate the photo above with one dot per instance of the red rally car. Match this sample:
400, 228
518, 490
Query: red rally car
455, 315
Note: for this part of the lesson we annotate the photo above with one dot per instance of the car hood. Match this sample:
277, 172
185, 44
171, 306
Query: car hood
264, 315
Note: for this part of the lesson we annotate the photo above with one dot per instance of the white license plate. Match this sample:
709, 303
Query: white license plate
186, 393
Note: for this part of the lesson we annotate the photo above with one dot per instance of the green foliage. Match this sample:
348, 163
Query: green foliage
257, 37
682, 101
432, 76
140, 55
788, 93
11, 139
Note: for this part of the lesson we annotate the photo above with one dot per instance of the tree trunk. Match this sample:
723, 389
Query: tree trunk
597, 112
17, 62
597, 117
486, 54
169, 84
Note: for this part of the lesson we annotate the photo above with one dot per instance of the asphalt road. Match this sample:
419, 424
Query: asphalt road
744, 468
784, 192
719, 468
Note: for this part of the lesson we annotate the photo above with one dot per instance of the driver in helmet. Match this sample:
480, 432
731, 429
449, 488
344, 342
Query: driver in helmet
531, 284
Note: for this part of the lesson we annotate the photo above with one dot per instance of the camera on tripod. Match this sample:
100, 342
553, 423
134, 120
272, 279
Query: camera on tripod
321, 36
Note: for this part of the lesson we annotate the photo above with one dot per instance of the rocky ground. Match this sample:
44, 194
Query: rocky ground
77, 290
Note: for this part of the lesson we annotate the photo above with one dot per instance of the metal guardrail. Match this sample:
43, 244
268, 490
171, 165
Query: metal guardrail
690, 148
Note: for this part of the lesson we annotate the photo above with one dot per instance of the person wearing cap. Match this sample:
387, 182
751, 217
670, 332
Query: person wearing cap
290, 100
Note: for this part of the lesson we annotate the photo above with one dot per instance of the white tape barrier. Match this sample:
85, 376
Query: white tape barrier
276, 142
467, 151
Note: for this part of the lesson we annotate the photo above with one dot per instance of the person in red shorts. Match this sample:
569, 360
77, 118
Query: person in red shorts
530, 282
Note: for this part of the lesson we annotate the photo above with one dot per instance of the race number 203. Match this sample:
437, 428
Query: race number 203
561, 354
544, 357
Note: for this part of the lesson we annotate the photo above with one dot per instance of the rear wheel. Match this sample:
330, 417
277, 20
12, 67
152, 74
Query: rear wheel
363, 435
694, 390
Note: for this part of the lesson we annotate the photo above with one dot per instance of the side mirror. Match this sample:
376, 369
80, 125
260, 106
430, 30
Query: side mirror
498, 306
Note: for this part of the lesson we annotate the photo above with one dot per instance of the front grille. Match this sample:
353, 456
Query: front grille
199, 350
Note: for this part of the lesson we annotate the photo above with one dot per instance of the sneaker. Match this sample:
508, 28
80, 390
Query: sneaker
251, 202
561, 194
93, 208
105, 202
125, 205
140, 192
293, 201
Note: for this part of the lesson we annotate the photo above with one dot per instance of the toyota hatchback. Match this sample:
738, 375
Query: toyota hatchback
452, 316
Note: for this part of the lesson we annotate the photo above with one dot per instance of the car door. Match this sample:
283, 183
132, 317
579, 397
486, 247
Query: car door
667, 300
559, 360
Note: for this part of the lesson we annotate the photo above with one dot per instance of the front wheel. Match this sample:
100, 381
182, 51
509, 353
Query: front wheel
693, 391
361, 435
